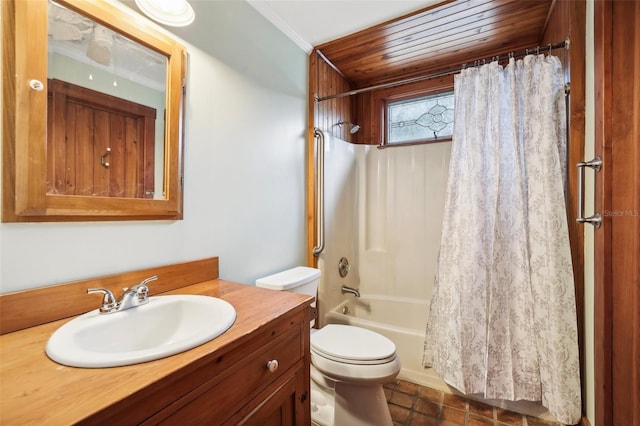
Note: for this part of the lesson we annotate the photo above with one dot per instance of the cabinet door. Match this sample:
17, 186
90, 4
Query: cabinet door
246, 386
280, 405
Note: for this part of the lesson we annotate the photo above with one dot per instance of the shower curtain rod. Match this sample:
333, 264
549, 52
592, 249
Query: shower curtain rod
448, 71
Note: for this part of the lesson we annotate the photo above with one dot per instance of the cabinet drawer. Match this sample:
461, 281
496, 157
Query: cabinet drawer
219, 398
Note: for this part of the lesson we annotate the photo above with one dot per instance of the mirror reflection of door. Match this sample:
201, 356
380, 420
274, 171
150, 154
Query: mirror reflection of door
106, 110
98, 144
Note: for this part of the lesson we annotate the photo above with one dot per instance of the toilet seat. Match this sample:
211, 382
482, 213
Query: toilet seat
352, 373
352, 345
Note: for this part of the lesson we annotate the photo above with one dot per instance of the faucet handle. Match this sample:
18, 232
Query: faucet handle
109, 303
142, 288
148, 280
141, 291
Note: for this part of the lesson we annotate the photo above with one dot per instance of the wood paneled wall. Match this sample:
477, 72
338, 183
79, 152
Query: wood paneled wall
617, 242
330, 81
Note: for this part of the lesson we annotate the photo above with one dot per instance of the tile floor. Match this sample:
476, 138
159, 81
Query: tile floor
412, 405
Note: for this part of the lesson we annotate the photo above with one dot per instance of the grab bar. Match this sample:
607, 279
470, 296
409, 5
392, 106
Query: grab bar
596, 219
319, 188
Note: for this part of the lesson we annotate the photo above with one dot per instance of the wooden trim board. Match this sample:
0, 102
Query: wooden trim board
28, 308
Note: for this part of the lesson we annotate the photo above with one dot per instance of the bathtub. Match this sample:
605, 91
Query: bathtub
400, 319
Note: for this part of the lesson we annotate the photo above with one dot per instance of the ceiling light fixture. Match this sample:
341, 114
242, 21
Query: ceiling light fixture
175, 13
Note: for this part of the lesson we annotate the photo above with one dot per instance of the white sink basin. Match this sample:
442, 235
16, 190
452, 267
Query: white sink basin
165, 326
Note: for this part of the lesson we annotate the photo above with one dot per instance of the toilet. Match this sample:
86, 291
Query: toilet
349, 364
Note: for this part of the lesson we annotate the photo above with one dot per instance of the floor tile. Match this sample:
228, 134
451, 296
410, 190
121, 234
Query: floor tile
452, 414
402, 399
509, 418
407, 387
425, 406
415, 405
418, 419
399, 414
454, 401
475, 420
481, 409
534, 421
387, 393
449, 423
391, 385
430, 394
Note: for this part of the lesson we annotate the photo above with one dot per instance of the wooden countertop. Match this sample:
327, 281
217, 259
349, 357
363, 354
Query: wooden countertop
36, 390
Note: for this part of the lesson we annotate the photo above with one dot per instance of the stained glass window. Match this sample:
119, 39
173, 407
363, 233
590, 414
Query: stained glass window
426, 118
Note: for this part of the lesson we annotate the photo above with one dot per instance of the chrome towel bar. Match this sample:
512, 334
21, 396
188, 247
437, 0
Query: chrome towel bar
595, 219
319, 188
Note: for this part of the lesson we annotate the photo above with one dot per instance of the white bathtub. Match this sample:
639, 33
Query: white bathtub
400, 319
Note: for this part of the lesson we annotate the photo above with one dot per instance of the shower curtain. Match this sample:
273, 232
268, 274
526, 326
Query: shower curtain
502, 321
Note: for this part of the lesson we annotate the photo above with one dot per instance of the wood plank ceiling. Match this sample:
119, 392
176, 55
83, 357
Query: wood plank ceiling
450, 33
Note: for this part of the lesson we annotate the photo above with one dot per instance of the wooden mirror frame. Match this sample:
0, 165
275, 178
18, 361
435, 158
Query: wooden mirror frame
24, 123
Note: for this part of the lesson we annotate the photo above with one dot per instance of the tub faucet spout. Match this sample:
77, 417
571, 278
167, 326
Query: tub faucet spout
351, 290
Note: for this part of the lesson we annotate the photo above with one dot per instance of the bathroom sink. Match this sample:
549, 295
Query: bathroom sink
165, 326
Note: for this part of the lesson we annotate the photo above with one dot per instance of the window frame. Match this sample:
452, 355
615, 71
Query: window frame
408, 97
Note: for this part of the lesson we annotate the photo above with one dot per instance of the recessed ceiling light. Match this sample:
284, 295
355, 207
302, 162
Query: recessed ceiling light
175, 13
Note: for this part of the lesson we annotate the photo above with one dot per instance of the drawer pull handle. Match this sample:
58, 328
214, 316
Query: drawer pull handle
272, 365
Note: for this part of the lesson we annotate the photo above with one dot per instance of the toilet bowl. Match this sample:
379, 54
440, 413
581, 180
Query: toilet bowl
349, 364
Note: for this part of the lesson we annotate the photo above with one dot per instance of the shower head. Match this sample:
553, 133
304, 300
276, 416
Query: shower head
353, 128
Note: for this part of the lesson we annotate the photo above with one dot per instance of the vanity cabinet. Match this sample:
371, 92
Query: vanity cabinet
229, 380
248, 392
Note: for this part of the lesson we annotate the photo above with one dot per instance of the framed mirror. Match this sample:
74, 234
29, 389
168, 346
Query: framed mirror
92, 122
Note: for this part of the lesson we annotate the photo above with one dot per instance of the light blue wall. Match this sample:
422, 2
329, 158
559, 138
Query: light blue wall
244, 169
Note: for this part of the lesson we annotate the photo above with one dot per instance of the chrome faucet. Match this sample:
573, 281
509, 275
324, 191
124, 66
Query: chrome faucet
137, 295
109, 303
351, 290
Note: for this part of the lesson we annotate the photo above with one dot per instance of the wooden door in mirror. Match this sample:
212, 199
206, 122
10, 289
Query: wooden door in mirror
34, 187
97, 144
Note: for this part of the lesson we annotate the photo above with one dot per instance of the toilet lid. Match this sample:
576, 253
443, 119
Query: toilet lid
353, 345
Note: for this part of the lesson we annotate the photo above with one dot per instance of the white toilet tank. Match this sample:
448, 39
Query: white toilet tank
301, 279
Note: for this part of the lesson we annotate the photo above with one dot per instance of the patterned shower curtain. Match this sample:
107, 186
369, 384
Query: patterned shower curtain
502, 321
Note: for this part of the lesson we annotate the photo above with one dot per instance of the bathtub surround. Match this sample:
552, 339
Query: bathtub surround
502, 320
384, 213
